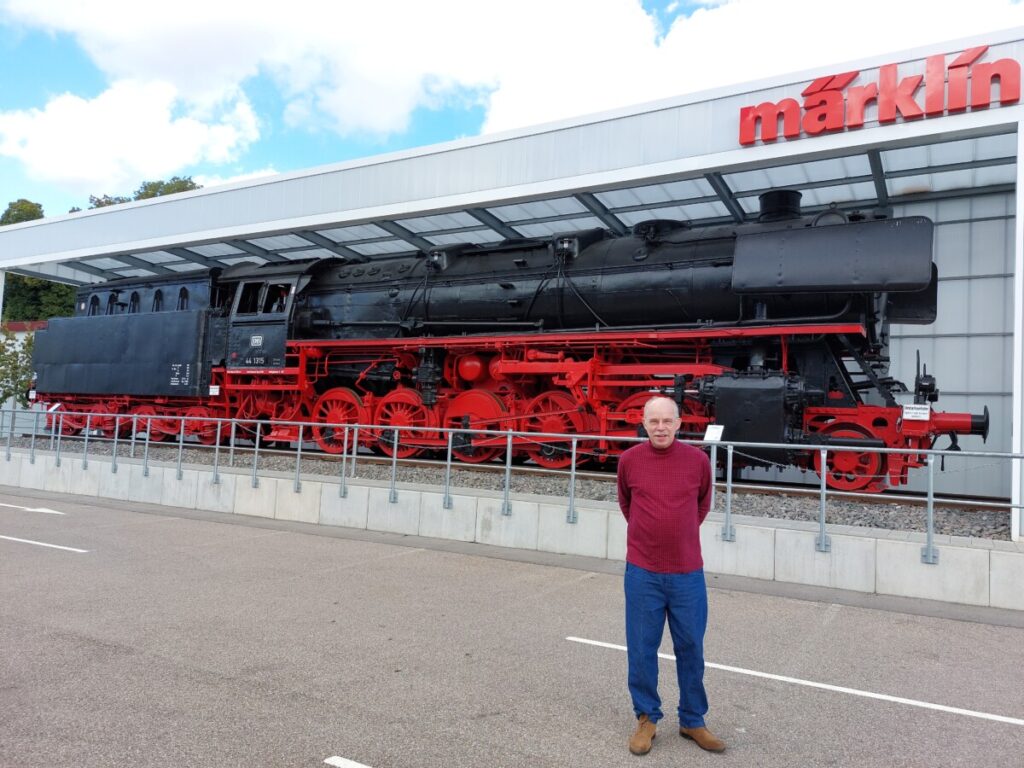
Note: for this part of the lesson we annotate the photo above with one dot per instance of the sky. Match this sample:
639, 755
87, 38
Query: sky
97, 96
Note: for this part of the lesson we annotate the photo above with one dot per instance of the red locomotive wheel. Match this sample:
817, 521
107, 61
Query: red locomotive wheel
336, 407
145, 421
484, 410
68, 423
556, 412
402, 408
851, 470
199, 426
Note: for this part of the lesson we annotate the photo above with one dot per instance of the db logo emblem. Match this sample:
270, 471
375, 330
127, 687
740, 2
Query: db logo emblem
256, 341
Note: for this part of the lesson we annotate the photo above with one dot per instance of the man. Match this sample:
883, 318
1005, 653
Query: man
665, 494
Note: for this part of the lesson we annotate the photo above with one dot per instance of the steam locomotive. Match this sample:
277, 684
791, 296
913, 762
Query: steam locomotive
775, 329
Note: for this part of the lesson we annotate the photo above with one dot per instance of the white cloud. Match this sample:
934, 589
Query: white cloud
129, 133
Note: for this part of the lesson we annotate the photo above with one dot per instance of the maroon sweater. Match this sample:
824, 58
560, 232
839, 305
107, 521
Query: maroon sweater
664, 496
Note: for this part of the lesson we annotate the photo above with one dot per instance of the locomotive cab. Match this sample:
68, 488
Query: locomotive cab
259, 322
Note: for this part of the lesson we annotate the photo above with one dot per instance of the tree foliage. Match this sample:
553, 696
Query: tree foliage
28, 298
15, 366
147, 190
21, 210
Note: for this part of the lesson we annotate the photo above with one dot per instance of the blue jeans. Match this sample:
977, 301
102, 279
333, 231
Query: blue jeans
682, 598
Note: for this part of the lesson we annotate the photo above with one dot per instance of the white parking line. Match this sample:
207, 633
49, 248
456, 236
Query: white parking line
43, 544
826, 686
341, 762
44, 510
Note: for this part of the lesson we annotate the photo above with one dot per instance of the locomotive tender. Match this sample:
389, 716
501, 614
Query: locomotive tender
777, 330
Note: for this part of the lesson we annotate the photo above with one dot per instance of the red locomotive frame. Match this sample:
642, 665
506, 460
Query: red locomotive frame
584, 383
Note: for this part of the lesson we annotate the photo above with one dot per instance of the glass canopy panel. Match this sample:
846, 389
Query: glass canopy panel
159, 257
547, 228
542, 209
358, 232
381, 248
469, 236
945, 153
692, 213
214, 250
280, 241
424, 224
655, 193
798, 175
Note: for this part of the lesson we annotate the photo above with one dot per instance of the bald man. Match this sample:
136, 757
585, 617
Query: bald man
665, 494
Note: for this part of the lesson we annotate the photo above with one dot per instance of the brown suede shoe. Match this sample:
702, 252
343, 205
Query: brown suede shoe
705, 739
640, 741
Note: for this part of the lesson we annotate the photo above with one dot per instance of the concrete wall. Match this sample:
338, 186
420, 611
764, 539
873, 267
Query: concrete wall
969, 571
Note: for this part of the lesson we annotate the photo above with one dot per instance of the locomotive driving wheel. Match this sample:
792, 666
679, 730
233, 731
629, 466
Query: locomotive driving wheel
851, 469
145, 422
199, 426
335, 408
401, 409
482, 410
555, 412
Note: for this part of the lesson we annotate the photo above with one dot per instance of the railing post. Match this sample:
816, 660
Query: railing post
393, 496
728, 531
135, 428
823, 542
355, 449
216, 454
447, 501
343, 487
53, 436
231, 444
10, 435
32, 441
570, 515
85, 446
113, 450
929, 554
256, 457
181, 444
60, 434
714, 474
506, 504
145, 448
298, 462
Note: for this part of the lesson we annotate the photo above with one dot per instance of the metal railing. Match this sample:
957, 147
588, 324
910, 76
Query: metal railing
256, 431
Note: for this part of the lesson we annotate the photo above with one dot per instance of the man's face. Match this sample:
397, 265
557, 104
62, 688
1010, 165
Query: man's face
661, 423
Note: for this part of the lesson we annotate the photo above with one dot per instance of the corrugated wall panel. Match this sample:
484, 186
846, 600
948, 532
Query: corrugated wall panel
970, 347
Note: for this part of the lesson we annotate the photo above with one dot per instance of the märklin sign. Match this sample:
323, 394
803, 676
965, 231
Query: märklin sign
830, 105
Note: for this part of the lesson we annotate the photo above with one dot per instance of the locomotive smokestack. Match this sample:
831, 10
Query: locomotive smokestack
779, 205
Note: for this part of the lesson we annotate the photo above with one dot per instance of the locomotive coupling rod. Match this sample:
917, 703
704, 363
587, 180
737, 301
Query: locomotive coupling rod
847, 442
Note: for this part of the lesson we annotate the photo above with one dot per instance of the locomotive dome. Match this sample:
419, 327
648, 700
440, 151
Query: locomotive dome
777, 255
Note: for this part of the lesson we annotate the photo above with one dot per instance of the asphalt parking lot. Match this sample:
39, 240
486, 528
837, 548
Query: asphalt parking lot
138, 636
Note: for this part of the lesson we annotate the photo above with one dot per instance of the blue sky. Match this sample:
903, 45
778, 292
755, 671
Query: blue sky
97, 97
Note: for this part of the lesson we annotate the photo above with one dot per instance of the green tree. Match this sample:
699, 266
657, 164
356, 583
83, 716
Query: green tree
21, 210
147, 190
15, 366
29, 298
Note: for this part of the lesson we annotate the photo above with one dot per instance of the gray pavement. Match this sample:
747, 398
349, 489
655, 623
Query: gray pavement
195, 639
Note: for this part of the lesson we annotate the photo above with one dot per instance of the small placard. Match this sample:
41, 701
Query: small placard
214, 390
31, 394
916, 412
713, 434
